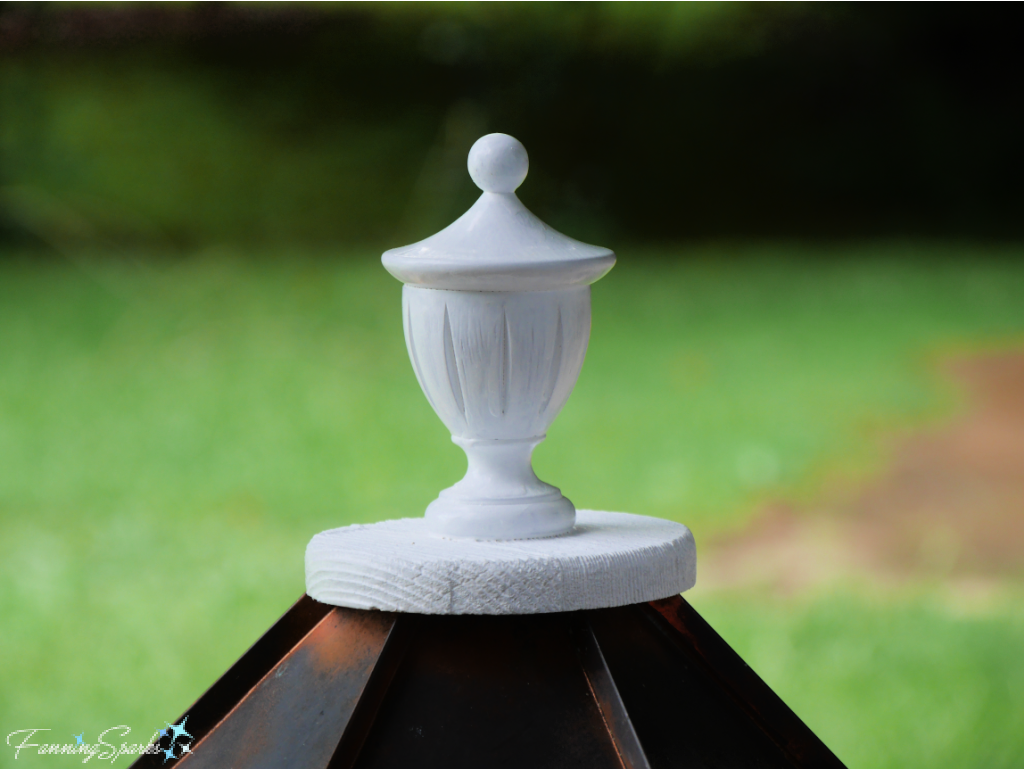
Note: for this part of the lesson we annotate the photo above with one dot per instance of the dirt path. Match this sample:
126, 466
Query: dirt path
951, 506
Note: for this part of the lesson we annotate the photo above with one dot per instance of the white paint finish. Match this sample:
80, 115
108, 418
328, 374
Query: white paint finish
497, 318
497, 367
498, 245
609, 559
498, 163
496, 311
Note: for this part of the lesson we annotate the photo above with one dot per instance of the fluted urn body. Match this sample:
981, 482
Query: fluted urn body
497, 318
497, 367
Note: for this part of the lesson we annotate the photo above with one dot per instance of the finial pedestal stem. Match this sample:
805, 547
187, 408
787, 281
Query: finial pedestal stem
500, 497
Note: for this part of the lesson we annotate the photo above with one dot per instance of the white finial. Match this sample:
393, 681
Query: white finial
498, 163
497, 317
498, 349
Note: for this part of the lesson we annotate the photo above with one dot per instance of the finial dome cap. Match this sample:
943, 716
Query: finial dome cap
498, 245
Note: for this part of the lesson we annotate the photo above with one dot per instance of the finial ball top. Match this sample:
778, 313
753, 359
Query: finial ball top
498, 163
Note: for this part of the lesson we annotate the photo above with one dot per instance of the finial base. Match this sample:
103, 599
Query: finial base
500, 497
537, 517
608, 559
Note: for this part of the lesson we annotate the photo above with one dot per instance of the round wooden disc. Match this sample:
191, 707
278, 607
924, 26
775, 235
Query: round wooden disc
608, 559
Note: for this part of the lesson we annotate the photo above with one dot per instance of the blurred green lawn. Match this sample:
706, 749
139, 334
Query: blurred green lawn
174, 430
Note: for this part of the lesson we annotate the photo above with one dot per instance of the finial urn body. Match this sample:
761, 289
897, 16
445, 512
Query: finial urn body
496, 312
497, 367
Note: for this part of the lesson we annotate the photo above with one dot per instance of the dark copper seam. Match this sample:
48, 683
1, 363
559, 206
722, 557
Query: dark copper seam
264, 655
390, 659
606, 696
761, 704
199, 740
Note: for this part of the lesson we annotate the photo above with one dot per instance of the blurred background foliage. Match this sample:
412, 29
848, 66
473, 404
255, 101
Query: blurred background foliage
815, 207
203, 123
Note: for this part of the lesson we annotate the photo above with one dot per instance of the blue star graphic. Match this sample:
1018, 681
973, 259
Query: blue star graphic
78, 738
179, 729
162, 732
169, 753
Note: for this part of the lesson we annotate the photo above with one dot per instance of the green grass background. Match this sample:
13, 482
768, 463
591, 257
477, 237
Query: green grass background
174, 430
